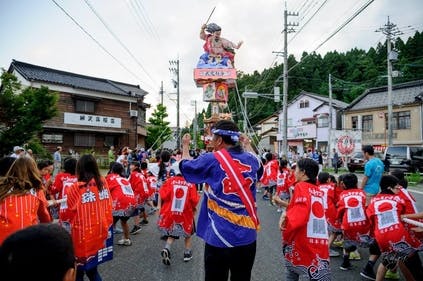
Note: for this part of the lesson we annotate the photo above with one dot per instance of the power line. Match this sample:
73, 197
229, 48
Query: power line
335, 32
140, 16
119, 41
137, 17
301, 6
305, 24
306, 9
147, 19
97, 42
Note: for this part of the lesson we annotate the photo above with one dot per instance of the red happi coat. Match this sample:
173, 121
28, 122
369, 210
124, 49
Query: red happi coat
270, 173
90, 218
61, 181
384, 213
352, 212
329, 203
60, 186
140, 187
123, 197
410, 208
152, 183
409, 200
305, 234
283, 182
179, 201
20, 211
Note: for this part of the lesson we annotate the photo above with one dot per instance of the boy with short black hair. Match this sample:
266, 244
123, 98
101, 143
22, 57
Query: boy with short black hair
25, 254
352, 212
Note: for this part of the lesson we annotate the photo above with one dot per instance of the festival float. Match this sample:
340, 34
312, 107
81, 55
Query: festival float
216, 74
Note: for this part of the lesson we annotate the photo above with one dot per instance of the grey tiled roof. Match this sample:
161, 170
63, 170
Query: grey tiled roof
43, 74
404, 93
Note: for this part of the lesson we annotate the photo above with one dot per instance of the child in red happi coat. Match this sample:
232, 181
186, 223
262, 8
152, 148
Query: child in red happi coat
179, 200
284, 181
123, 200
329, 203
142, 193
62, 182
352, 212
395, 242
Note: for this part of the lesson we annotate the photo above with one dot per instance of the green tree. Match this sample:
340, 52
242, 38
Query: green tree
357, 68
158, 130
22, 111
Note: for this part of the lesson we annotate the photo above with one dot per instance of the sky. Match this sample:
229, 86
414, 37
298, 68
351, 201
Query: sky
138, 38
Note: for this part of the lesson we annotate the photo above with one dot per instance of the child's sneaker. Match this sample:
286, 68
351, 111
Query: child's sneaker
345, 266
165, 253
135, 230
333, 253
355, 256
152, 211
124, 242
392, 275
368, 273
338, 243
144, 222
187, 256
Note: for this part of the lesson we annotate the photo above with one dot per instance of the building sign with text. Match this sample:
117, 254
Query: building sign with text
92, 120
302, 132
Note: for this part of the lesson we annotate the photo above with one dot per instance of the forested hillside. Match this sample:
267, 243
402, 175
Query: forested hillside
352, 72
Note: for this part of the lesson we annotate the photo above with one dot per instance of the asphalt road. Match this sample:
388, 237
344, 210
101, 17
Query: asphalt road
142, 260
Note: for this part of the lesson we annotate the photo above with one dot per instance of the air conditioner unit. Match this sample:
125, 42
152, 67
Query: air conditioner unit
133, 113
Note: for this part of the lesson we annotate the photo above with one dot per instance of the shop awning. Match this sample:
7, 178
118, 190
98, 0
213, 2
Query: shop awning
85, 129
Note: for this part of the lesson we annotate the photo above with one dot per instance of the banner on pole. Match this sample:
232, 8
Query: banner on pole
346, 142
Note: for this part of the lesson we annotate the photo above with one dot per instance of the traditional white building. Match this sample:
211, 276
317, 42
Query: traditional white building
308, 122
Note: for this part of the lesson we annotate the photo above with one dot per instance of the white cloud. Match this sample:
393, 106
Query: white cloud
39, 32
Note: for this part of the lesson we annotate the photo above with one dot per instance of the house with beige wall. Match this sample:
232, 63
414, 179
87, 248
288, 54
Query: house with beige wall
369, 112
267, 130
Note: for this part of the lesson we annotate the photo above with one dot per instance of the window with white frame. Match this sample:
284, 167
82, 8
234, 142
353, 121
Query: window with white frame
304, 103
323, 121
400, 120
85, 106
52, 138
367, 123
290, 122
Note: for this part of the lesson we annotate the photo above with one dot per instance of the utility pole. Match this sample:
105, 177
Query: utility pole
174, 68
285, 80
389, 30
330, 118
161, 93
245, 116
195, 125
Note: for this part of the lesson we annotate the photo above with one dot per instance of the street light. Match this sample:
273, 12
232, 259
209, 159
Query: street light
253, 95
249, 95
